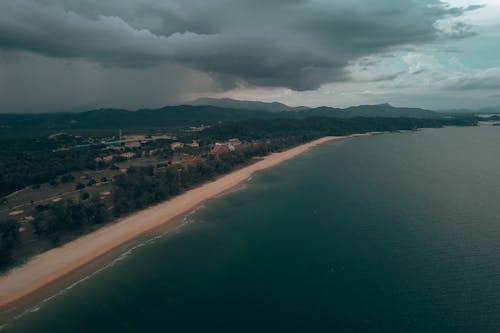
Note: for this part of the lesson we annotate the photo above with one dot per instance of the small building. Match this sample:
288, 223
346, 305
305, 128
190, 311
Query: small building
234, 144
113, 147
176, 145
133, 144
108, 158
198, 128
128, 155
194, 144
219, 148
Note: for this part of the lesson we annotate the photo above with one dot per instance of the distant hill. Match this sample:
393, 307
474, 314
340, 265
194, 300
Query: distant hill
229, 103
491, 109
169, 116
189, 115
375, 111
380, 110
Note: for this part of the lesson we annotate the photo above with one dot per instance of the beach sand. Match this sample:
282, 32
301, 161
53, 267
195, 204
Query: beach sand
49, 267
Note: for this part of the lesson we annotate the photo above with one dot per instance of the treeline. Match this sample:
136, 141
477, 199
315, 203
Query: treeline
68, 217
318, 126
141, 187
9, 238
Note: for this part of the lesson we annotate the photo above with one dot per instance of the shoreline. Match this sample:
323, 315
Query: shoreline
46, 269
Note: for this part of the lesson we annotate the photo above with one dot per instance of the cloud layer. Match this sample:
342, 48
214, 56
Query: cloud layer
298, 44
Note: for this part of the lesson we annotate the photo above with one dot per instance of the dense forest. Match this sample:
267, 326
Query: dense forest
28, 162
56, 219
321, 126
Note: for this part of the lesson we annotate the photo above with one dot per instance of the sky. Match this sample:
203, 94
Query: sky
73, 55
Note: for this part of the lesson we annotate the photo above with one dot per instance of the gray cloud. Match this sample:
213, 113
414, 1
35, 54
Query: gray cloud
388, 77
460, 30
474, 7
299, 44
487, 79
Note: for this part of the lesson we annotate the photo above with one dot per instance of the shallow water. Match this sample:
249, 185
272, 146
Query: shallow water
390, 233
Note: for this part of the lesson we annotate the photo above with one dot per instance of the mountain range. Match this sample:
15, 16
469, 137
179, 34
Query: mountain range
229, 103
183, 115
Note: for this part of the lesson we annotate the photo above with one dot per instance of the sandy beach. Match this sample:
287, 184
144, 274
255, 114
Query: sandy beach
47, 268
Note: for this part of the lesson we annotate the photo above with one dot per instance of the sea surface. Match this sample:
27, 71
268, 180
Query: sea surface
389, 233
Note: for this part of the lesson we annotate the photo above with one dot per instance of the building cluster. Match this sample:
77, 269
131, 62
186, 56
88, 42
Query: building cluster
226, 147
119, 147
176, 145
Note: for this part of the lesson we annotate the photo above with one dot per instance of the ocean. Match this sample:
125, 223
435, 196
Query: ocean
397, 232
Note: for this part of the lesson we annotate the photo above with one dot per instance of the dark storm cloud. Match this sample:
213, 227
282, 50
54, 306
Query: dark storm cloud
300, 44
35, 83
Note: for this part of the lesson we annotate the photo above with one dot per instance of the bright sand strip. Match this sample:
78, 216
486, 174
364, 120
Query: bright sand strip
50, 266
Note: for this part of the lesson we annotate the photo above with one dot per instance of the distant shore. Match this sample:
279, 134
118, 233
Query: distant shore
49, 267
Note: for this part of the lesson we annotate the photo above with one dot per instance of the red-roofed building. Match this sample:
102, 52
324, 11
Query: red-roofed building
226, 147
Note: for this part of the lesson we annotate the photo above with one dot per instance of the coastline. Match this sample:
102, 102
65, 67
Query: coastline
45, 269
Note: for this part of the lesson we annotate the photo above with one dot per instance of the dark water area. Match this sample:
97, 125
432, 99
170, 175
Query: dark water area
390, 233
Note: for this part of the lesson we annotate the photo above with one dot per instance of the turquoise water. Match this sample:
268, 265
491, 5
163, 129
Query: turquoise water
390, 233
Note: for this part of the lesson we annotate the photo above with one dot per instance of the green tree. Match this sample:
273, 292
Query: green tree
67, 178
9, 238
